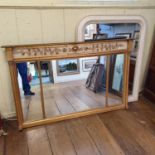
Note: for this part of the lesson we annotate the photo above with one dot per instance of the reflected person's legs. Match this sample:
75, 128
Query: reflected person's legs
22, 68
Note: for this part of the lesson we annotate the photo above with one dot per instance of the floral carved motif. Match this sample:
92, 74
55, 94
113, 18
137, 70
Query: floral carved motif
64, 50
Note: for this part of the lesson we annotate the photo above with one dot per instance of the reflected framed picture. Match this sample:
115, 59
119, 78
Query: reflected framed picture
116, 74
123, 35
136, 37
67, 67
100, 36
88, 64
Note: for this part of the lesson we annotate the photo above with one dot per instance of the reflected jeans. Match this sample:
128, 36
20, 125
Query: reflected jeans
22, 69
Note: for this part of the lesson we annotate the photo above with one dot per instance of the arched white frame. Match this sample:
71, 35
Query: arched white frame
120, 19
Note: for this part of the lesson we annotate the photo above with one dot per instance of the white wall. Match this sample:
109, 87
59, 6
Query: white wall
77, 3
44, 25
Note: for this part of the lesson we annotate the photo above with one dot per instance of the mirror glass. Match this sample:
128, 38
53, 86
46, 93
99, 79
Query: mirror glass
116, 80
69, 85
64, 86
75, 85
29, 87
103, 30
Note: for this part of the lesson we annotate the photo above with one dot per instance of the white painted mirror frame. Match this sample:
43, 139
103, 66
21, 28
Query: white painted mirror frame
120, 19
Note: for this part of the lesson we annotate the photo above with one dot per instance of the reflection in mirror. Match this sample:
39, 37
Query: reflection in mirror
59, 87
103, 30
29, 87
116, 80
76, 85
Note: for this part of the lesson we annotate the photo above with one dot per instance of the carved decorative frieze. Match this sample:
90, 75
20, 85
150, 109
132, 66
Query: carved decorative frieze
65, 50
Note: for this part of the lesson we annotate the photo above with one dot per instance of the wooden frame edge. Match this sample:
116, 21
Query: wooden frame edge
72, 116
44, 121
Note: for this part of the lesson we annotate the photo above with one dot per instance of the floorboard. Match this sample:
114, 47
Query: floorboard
76, 103
138, 137
105, 143
51, 108
129, 132
59, 139
63, 98
15, 141
2, 145
62, 103
82, 95
123, 137
144, 114
98, 97
38, 142
80, 138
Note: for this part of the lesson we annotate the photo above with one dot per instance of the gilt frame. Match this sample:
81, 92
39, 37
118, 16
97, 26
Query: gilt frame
55, 51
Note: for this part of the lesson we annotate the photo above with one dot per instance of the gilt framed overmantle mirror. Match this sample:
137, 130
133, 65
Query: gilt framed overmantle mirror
94, 79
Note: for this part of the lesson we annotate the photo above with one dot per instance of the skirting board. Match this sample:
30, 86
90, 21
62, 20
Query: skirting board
8, 115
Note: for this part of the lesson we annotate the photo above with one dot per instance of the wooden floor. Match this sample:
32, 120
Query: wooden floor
129, 132
64, 98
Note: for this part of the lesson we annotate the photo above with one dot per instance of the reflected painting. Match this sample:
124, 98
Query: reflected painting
118, 73
67, 66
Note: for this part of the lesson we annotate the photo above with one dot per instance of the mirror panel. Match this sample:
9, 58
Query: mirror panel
70, 85
29, 83
103, 30
116, 80
75, 85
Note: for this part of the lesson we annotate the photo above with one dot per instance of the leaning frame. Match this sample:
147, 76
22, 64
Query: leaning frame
55, 51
